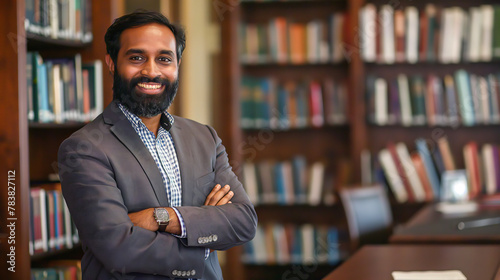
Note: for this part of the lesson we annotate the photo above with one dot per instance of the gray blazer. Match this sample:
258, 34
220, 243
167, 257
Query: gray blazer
107, 172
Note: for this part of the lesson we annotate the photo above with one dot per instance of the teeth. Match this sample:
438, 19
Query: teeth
149, 86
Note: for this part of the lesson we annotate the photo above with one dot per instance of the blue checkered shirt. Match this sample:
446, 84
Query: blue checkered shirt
162, 150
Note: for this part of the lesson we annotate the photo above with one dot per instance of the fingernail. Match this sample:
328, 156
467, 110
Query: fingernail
218, 186
226, 187
231, 193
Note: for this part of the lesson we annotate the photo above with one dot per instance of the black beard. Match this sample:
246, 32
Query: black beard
143, 105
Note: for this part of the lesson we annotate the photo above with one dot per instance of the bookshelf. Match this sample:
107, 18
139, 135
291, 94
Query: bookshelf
30, 148
338, 142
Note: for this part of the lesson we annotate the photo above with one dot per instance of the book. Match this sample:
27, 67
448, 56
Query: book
392, 175
412, 34
430, 168
316, 182
447, 155
405, 100
387, 35
465, 98
410, 172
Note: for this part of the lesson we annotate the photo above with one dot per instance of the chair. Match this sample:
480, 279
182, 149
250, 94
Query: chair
368, 214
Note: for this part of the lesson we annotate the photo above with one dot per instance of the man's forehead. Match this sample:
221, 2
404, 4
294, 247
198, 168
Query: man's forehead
145, 36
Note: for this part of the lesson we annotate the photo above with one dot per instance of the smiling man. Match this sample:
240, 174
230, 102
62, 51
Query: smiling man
152, 195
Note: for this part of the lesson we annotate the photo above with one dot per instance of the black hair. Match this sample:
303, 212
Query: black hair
136, 19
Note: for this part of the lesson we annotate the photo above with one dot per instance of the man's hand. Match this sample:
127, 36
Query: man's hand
145, 219
219, 196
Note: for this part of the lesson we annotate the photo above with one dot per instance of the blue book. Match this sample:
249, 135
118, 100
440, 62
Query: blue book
465, 97
282, 108
333, 246
44, 113
430, 169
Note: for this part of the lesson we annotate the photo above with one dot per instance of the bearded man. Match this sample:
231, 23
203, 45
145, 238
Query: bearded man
151, 194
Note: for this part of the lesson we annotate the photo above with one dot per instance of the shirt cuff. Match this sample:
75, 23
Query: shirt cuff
183, 225
207, 253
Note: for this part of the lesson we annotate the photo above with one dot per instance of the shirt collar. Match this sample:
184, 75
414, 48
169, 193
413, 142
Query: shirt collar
166, 119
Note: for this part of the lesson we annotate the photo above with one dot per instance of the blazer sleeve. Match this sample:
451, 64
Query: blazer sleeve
101, 216
225, 226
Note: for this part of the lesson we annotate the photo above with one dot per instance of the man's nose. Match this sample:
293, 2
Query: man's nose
151, 69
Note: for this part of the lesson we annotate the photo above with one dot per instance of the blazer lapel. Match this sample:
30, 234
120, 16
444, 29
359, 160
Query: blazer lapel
185, 159
124, 131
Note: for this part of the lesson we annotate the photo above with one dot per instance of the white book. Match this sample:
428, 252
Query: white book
481, 96
68, 235
281, 244
368, 34
387, 34
412, 33
455, 50
410, 171
444, 53
404, 100
313, 41
98, 84
474, 43
316, 178
307, 231
487, 15
259, 245
43, 219
489, 169
391, 173
381, 102
250, 182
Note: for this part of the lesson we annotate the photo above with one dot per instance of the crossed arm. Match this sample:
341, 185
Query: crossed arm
144, 218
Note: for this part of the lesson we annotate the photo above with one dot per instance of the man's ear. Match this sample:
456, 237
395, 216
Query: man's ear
110, 63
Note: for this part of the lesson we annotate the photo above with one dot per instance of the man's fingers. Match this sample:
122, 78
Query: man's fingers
214, 200
226, 198
211, 194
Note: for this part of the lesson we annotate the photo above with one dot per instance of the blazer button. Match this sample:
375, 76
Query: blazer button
200, 240
210, 238
193, 272
214, 237
174, 272
183, 273
188, 273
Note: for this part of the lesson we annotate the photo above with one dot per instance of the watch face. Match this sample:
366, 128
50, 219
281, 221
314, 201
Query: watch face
162, 215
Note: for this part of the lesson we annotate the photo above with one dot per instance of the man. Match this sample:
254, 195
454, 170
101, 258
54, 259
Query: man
144, 188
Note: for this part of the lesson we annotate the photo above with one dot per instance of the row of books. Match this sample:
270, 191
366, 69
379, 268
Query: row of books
60, 19
462, 98
285, 41
268, 103
288, 182
445, 35
416, 176
294, 244
63, 89
58, 270
51, 226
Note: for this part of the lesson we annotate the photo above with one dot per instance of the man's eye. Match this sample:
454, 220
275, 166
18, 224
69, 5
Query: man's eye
165, 59
136, 58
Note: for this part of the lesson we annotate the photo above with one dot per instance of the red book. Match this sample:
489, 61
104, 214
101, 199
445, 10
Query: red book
399, 166
472, 167
316, 104
422, 174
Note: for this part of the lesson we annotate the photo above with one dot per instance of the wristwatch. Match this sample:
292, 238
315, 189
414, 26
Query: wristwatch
162, 218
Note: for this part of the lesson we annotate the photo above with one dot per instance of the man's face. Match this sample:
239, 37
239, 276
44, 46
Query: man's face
146, 70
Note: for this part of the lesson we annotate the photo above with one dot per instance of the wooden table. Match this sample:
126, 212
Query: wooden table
374, 262
432, 226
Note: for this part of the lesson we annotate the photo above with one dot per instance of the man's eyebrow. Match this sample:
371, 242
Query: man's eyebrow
131, 51
167, 52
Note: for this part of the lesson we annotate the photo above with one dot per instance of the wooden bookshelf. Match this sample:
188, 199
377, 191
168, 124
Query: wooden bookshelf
30, 149
344, 142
